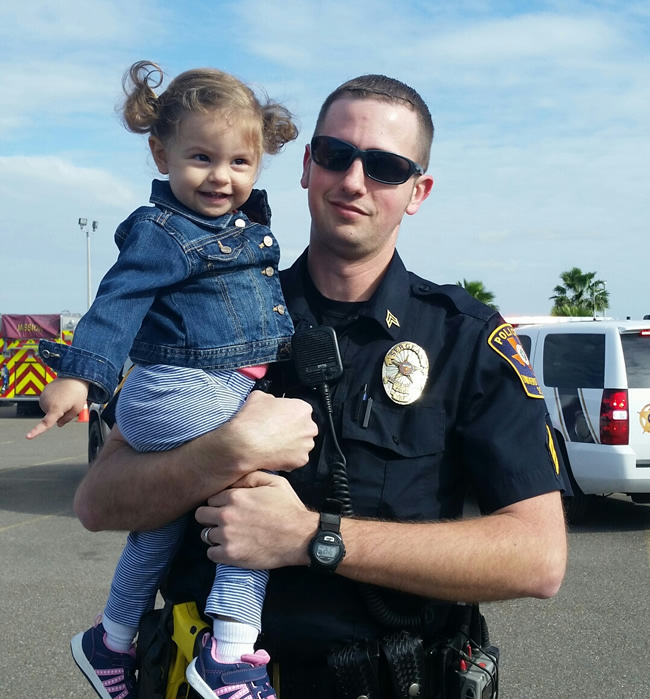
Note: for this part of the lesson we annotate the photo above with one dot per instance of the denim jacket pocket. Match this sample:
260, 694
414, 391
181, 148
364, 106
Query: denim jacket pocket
221, 249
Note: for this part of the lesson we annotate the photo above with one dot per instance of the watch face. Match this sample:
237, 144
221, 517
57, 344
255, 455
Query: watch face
327, 550
326, 553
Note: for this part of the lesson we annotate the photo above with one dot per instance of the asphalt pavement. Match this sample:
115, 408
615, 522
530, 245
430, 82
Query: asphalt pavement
589, 642
54, 575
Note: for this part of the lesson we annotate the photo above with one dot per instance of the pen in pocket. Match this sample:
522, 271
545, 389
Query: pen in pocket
363, 396
366, 415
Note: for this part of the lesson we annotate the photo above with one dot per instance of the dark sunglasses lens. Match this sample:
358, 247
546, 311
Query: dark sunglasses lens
332, 154
387, 167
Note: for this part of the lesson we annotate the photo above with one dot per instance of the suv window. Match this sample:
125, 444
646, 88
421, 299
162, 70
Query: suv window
574, 360
636, 350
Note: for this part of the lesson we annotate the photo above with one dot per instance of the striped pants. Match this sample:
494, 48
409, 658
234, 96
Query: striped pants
161, 407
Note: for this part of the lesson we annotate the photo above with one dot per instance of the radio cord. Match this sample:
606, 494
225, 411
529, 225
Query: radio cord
372, 598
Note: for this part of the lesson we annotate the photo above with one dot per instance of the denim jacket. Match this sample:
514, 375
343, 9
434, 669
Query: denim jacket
185, 291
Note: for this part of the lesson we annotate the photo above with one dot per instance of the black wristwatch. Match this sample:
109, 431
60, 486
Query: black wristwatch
326, 549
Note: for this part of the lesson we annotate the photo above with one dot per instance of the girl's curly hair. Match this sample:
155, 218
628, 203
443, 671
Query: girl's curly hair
200, 91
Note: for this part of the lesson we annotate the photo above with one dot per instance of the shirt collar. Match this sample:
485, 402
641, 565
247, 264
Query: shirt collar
256, 208
387, 306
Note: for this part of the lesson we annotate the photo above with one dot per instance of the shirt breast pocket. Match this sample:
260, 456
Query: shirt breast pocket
394, 464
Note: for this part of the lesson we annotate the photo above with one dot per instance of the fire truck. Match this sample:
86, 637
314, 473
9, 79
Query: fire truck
22, 373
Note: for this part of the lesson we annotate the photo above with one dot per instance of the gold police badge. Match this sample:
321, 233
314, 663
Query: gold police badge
404, 372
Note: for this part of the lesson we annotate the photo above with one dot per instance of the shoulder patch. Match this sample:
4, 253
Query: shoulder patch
504, 342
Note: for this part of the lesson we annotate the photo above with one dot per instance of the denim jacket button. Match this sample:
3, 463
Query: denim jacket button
268, 241
279, 309
268, 271
240, 223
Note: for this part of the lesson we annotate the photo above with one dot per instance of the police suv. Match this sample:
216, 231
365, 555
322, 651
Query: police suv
595, 376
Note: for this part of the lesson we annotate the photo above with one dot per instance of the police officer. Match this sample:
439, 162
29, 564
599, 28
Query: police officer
435, 396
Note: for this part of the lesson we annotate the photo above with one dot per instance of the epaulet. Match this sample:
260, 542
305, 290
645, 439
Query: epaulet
451, 295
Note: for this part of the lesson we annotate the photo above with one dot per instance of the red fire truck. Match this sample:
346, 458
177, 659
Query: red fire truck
22, 373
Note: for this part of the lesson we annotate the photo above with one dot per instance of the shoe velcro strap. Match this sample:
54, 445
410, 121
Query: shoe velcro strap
243, 675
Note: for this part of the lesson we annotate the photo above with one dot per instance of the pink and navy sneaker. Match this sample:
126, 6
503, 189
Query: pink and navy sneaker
112, 674
246, 679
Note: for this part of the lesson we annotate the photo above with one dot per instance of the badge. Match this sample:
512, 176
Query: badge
644, 418
404, 372
504, 341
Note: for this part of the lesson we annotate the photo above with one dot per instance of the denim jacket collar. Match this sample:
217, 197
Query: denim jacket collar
256, 208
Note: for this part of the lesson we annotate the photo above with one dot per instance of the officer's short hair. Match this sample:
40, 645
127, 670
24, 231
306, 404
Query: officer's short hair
383, 88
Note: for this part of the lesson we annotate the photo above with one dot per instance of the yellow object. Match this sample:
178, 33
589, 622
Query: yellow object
189, 628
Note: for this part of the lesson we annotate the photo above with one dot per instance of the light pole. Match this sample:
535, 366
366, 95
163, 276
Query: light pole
83, 222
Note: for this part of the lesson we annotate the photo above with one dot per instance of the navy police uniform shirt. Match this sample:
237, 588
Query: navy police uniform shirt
479, 425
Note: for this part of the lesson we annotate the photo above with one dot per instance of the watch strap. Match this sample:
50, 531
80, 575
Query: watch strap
330, 522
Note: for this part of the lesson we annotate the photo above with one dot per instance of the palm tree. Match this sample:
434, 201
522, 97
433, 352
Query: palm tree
580, 294
478, 291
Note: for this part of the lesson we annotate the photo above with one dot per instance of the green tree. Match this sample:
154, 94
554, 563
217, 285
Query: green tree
478, 291
580, 294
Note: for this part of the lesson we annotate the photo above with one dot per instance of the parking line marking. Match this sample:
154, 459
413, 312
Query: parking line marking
43, 463
65, 458
11, 442
33, 520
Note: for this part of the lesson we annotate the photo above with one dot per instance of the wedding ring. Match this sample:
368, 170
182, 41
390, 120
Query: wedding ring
204, 536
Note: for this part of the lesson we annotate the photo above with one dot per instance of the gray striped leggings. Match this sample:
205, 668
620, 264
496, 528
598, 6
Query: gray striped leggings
161, 407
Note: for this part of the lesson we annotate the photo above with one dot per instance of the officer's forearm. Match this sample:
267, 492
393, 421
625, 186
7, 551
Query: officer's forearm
518, 552
126, 490
130, 491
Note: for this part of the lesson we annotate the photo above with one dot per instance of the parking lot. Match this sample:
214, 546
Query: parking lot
591, 641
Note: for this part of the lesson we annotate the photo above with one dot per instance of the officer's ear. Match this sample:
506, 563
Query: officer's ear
421, 190
306, 167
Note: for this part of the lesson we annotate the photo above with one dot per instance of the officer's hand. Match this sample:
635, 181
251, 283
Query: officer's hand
61, 401
258, 523
270, 433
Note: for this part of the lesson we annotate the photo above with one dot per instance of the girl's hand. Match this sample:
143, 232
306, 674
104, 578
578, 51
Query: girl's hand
61, 401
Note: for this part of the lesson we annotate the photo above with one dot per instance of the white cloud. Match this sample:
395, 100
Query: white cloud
63, 59
542, 127
44, 250
23, 178
539, 35
68, 23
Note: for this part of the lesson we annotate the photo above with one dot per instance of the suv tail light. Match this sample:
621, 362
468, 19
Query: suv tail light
614, 421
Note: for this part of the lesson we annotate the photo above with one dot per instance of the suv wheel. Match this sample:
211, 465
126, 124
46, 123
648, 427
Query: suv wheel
94, 440
575, 507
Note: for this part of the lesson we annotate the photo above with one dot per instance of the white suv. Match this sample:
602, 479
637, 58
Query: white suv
595, 376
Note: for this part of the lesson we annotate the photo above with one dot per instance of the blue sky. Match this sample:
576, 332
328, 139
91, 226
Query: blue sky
540, 158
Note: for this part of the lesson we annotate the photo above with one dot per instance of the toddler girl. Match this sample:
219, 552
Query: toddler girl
194, 300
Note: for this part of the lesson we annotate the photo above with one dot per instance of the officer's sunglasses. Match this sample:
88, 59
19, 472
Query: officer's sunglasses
379, 165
